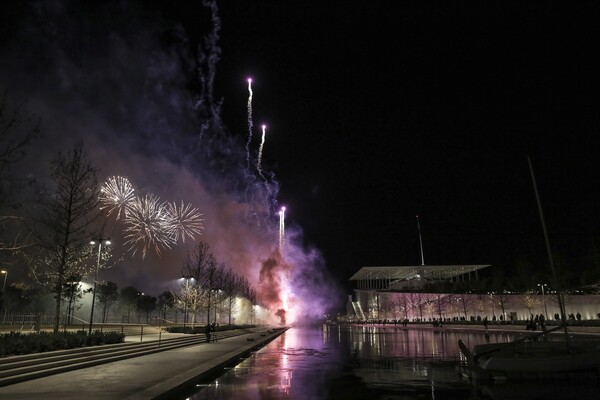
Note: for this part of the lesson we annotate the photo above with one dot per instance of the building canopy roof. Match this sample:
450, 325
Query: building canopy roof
433, 272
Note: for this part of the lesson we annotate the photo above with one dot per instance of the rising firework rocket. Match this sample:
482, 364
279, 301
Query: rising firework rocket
260, 149
249, 123
281, 228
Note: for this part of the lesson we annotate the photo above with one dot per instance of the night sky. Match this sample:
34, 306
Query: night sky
380, 112
376, 112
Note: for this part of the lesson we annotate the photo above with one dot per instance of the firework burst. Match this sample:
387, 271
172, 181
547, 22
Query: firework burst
146, 225
116, 195
183, 221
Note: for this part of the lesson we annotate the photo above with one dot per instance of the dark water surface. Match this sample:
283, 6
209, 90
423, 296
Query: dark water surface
366, 362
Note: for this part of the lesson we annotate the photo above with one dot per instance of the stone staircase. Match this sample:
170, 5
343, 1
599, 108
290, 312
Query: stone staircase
26, 367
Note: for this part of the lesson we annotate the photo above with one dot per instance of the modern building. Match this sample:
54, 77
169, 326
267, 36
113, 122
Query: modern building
374, 285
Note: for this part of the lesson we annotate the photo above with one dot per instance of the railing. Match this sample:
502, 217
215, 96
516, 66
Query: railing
25, 322
35, 322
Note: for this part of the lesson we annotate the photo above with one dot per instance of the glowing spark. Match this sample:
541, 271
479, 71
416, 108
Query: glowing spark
116, 194
281, 228
260, 150
146, 222
249, 123
183, 221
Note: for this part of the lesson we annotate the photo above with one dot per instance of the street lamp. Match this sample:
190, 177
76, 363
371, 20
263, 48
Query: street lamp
93, 242
544, 298
186, 298
5, 272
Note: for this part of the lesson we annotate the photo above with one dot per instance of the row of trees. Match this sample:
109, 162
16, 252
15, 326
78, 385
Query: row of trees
21, 299
116, 305
208, 285
424, 306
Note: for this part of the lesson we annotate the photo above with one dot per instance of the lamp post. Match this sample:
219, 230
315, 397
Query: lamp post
93, 242
187, 298
544, 298
5, 272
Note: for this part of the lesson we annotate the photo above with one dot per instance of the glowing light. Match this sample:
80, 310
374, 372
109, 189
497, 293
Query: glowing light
116, 195
249, 123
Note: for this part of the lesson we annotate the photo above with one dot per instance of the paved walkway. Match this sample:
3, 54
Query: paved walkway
147, 377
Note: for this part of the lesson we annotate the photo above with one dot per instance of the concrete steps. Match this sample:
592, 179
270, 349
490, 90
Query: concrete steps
21, 368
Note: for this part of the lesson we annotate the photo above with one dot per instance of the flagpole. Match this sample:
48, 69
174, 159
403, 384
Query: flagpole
420, 241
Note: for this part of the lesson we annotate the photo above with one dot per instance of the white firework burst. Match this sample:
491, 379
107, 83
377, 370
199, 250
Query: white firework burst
147, 225
116, 195
183, 221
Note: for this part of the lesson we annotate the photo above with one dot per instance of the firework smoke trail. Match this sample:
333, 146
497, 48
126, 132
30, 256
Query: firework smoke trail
213, 57
250, 123
116, 194
260, 149
146, 225
183, 221
281, 228
259, 161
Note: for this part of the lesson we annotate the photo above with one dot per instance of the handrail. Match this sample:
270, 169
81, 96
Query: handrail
80, 320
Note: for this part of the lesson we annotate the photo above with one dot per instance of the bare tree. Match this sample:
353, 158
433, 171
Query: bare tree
108, 293
232, 288
146, 304
197, 262
403, 303
128, 299
440, 301
166, 302
189, 297
465, 301
418, 301
203, 267
72, 293
501, 300
64, 225
429, 308
212, 286
531, 301
16, 134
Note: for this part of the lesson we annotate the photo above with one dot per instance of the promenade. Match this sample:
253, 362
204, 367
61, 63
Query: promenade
161, 375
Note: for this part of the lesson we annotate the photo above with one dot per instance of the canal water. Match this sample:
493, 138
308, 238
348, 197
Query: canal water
371, 362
